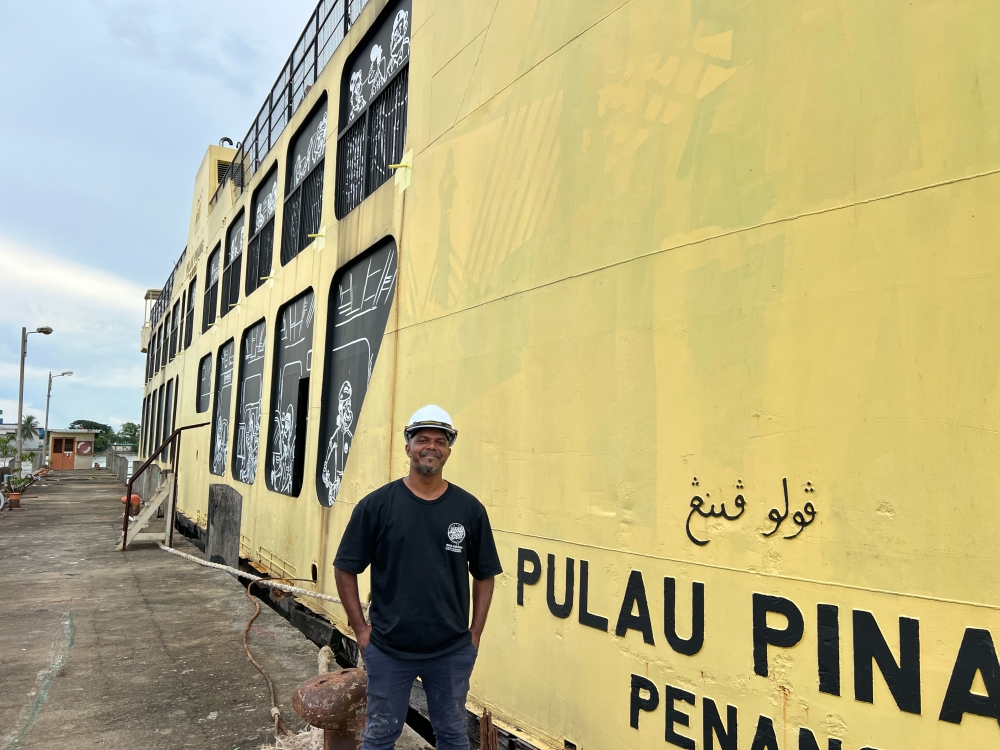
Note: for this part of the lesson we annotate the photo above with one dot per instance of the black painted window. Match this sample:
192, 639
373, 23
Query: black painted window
164, 339
149, 359
304, 185
249, 399
151, 427
220, 415
183, 319
159, 418
360, 298
233, 265
173, 414
211, 290
156, 348
151, 432
189, 314
168, 404
174, 318
290, 395
373, 102
144, 427
204, 399
261, 246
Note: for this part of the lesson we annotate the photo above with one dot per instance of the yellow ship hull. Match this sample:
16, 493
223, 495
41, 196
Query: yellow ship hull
711, 291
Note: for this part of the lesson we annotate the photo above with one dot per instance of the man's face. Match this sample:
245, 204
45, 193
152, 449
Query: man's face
428, 450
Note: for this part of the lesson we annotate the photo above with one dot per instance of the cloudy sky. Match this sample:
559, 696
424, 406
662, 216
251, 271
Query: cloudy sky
107, 108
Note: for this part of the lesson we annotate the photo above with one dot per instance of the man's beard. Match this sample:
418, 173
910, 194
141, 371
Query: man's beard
423, 469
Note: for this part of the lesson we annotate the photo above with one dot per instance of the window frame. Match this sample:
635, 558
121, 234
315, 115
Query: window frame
232, 264
189, 312
239, 383
293, 209
218, 407
168, 406
211, 295
365, 126
367, 67
335, 437
198, 391
259, 234
300, 439
173, 331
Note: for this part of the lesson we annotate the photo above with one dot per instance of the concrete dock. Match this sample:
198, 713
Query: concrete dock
141, 649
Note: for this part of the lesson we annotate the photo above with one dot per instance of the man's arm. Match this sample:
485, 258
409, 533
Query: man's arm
347, 588
482, 595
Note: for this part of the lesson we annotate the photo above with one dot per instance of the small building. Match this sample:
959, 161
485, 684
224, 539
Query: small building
71, 449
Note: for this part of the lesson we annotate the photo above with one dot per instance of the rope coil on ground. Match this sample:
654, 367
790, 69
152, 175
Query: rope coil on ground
259, 580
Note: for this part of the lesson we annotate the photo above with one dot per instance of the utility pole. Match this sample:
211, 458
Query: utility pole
20, 390
48, 398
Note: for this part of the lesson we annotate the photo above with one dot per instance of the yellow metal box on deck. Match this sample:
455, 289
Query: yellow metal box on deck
711, 291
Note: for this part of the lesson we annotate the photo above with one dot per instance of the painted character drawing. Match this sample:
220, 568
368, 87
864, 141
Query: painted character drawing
377, 75
357, 96
339, 445
219, 449
399, 45
283, 458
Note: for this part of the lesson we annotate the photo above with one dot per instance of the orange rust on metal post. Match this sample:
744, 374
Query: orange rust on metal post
336, 703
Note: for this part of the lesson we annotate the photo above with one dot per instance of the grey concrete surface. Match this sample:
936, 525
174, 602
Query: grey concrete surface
141, 649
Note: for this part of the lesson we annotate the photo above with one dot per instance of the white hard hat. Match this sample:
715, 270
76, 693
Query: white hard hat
431, 416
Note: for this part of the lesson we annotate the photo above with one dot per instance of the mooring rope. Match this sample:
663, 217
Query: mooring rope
279, 724
259, 580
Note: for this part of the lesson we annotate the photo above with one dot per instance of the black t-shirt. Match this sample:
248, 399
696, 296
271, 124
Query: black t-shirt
421, 553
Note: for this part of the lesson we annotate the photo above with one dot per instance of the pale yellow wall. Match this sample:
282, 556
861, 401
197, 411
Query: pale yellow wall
647, 242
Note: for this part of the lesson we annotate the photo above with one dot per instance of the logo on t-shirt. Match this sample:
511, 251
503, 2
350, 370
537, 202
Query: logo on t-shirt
456, 533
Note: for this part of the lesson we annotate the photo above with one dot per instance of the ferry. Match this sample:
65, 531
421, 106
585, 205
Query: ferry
711, 292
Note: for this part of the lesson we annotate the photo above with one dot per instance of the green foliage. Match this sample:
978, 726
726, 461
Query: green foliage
99, 427
104, 434
128, 434
17, 483
8, 448
29, 427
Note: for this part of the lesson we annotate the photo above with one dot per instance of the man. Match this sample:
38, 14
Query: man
422, 537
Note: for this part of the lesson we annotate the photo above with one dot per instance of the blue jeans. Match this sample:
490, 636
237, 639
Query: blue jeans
446, 683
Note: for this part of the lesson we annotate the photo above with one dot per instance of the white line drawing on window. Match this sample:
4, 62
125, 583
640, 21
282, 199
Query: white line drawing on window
339, 445
365, 288
222, 399
352, 303
399, 46
236, 243
251, 392
377, 75
266, 207
357, 96
295, 361
314, 152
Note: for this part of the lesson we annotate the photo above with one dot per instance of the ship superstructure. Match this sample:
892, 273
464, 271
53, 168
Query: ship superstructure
711, 290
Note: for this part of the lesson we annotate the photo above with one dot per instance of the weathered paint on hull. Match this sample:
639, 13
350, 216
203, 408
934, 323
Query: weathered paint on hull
652, 251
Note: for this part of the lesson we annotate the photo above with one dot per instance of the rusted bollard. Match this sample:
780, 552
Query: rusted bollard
336, 703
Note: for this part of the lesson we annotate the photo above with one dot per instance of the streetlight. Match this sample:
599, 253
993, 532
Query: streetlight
48, 397
46, 330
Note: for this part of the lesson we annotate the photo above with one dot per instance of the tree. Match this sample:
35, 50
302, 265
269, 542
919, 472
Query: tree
29, 427
128, 434
8, 449
104, 433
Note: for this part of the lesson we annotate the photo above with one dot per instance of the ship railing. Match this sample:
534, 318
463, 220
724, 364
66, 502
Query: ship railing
325, 30
134, 519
